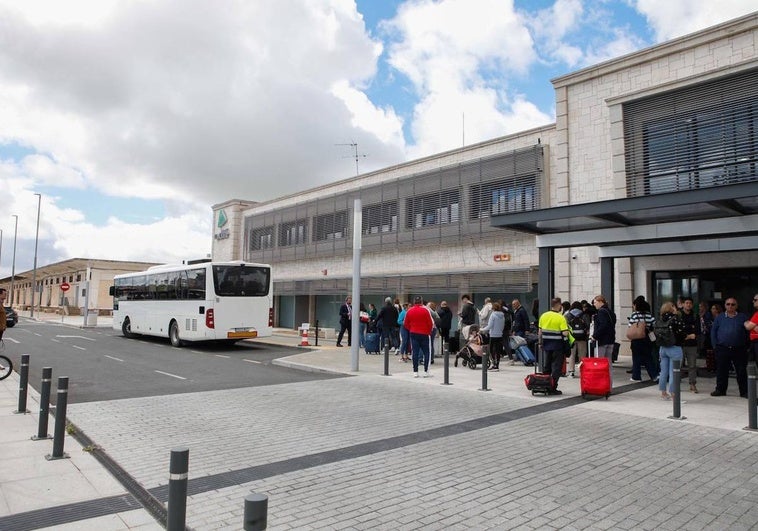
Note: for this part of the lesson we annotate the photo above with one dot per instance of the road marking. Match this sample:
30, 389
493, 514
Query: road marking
222, 356
197, 352
113, 358
251, 361
78, 337
54, 340
11, 340
77, 346
38, 335
172, 375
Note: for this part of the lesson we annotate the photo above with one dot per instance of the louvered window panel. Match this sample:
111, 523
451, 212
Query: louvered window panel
379, 217
293, 232
697, 137
331, 226
436, 208
505, 185
262, 238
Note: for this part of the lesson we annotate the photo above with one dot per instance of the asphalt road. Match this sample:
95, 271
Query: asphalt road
103, 365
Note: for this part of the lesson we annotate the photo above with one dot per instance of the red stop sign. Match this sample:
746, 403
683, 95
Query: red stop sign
65, 286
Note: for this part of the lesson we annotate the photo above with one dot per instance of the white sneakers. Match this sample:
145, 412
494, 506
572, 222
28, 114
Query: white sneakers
426, 374
415, 374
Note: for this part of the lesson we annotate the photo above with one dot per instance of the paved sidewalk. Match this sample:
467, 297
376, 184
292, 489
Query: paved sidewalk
393, 452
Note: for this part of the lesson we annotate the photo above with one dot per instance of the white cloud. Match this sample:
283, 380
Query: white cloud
674, 18
459, 54
212, 104
384, 124
171, 239
44, 171
552, 25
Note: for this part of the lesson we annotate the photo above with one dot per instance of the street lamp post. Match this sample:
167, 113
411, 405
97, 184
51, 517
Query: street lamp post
13, 266
36, 240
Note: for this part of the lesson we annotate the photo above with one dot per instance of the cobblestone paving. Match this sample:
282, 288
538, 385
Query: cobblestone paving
572, 468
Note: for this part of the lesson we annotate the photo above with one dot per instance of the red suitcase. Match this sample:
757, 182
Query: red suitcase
595, 377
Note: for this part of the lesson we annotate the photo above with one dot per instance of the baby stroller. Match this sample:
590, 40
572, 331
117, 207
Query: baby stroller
473, 350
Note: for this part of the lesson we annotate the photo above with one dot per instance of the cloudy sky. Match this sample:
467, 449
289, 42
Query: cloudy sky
131, 118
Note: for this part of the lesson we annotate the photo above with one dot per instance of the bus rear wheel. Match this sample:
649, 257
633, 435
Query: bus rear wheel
126, 328
173, 334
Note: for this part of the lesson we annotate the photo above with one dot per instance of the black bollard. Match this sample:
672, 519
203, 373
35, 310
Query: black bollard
177, 489
446, 365
752, 397
677, 391
256, 512
60, 420
23, 384
485, 364
316, 344
44, 404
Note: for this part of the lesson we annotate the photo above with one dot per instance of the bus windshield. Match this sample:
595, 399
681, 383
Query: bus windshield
241, 280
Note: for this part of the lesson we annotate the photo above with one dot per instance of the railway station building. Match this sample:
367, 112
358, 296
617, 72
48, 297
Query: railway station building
646, 184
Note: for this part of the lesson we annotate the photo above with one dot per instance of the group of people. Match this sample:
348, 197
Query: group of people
681, 333
570, 330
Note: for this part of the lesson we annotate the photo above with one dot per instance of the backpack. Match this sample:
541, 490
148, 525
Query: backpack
508, 319
664, 335
578, 327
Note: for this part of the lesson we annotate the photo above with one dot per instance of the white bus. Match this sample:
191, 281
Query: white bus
211, 301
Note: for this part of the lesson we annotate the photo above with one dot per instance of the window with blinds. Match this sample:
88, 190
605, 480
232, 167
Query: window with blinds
435, 208
332, 226
261, 238
293, 232
697, 137
503, 197
380, 217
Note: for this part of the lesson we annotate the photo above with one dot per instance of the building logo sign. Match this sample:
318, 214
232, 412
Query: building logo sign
224, 233
222, 219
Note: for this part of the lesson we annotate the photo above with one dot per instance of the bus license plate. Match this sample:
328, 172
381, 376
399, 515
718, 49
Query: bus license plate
242, 334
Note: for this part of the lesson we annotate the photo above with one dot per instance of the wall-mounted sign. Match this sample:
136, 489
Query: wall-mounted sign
223, 234
222, 219
502, 257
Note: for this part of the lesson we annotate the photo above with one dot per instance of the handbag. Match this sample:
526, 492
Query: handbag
636, 330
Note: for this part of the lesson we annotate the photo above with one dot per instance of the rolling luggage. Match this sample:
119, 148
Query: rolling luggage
524, 355
595, 377
371, 343
539, 383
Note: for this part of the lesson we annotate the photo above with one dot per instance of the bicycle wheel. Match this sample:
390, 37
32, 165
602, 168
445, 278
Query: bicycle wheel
6, 367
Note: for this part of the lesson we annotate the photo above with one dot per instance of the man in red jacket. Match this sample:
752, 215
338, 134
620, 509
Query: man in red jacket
419, 323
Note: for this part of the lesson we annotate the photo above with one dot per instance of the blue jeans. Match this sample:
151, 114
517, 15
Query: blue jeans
405, 341
362, 334
668, 356
421, 345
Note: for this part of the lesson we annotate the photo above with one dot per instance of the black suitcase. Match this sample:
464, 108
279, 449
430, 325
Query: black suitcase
539, 383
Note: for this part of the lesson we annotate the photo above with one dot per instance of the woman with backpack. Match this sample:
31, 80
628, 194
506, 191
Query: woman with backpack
640, 325
669, 336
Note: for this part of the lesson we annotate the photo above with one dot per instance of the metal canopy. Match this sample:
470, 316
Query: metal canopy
736, 200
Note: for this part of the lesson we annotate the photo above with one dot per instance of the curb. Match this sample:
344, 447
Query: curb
284, 362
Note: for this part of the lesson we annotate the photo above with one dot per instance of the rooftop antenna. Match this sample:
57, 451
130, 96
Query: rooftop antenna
354, 145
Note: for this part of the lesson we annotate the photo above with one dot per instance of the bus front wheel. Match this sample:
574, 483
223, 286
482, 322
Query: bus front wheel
126, 328
173, 334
